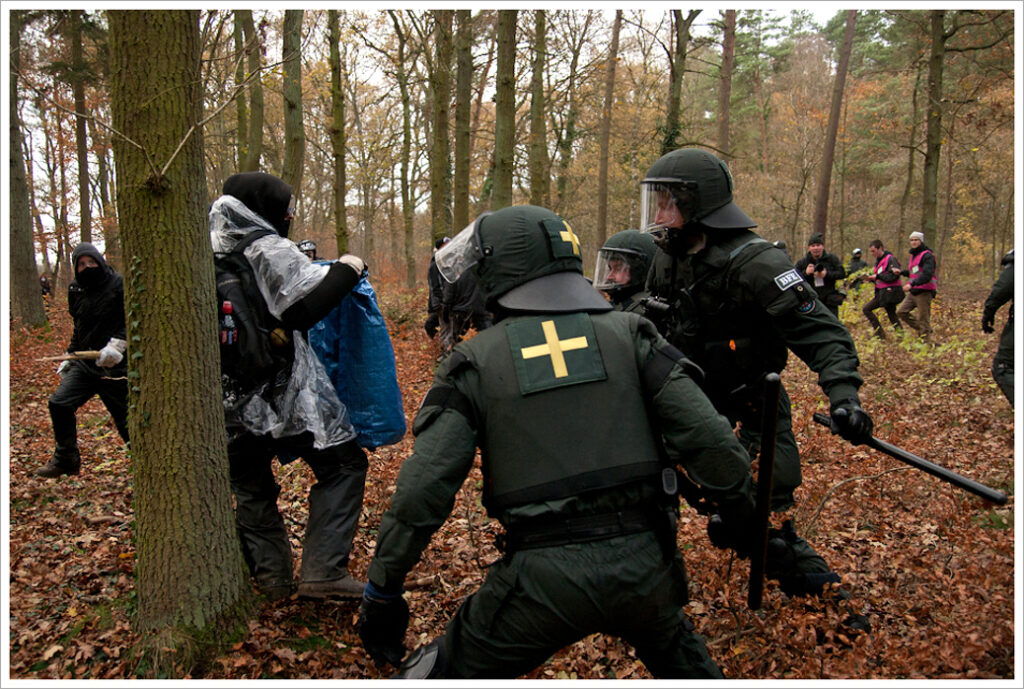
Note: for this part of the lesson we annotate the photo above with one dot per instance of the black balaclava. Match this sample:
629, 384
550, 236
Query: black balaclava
263, 194
89, 277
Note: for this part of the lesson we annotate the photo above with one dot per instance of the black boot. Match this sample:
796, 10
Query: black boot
58, 467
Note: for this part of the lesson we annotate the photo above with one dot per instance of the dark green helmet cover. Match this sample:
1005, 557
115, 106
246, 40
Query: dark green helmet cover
530, 260
702, 186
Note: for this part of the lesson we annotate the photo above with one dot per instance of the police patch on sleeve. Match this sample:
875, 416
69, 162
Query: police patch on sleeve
554, 352
786, 280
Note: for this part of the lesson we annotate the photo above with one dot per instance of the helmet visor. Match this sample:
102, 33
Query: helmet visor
460, 254
658, 209
614, 269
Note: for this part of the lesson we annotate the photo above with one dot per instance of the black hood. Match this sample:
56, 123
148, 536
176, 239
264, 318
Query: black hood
86, 249
263, 194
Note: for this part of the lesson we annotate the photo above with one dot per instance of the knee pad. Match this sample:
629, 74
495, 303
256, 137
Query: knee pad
426, 662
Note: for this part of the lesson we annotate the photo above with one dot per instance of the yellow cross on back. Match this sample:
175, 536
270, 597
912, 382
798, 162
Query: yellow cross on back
553, 347
568, 235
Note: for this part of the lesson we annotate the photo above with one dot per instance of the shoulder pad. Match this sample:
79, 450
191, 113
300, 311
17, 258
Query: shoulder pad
661, 364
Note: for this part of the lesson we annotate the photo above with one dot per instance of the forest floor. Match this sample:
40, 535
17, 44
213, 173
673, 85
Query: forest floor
931, 566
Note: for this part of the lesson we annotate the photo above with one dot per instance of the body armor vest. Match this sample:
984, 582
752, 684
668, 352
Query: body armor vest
570, 437
728, 336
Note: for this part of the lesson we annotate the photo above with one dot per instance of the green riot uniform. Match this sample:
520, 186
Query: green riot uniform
738, 305
1002, 292
582, 415
558, 405
634, 303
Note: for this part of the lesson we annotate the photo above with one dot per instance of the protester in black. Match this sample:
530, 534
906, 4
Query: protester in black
96, 303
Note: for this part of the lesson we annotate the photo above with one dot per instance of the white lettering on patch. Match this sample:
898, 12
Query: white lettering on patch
787, 279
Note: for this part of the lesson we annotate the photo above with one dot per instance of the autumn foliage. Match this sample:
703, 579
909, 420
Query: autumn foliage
930, 566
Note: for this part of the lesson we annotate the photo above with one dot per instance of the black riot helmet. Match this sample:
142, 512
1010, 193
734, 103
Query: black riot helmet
308, 247
623, 262
526, 258
700, 185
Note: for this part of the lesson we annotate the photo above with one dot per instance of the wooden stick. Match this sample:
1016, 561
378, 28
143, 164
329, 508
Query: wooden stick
87, 354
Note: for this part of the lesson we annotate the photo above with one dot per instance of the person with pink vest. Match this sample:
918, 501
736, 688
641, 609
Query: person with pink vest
920, 288
888, 288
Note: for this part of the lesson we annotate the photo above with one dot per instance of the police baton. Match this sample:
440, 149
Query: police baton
913, 460
765, 471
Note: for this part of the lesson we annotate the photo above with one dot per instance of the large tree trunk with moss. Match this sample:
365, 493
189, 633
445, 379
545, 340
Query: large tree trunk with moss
606, 132
540, 180
337, 133
294, 133
26, 301
440, 152
463, 136
504, 110
191, 577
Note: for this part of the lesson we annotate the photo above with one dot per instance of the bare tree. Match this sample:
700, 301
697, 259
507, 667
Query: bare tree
504, 110
537, 163
606, 132
294, 132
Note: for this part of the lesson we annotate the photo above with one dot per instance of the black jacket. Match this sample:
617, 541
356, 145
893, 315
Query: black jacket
436, 285
97, 309
463, 295
834, 271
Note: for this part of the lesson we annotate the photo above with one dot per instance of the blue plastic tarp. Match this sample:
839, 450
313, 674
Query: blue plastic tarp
353, 344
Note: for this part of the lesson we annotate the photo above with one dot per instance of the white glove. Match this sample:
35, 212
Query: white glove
353, 262
112, 353
63, 367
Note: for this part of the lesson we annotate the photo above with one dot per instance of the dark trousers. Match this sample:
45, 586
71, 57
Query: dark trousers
890, 311
335, 502
77, 386
1002, 364
539, 601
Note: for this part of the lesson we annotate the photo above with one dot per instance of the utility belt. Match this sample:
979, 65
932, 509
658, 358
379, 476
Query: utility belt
548, 532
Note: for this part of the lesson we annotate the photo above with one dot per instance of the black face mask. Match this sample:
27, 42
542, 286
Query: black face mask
90, 277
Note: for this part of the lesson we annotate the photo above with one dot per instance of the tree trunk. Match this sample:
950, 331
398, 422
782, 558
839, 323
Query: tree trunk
26, 301
402, 77
81, 138
253, 149
463, 95
192, 581
933, 135
440, 153
537, 162
828, 156
504, 110
911, 157
725, 82
670, 141
606, 132
337, 133
294, 134
241, 108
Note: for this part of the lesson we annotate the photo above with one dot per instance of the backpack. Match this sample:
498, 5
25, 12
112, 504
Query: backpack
247, 358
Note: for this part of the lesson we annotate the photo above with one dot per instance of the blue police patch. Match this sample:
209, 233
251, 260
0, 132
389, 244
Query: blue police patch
786, 280
806, 307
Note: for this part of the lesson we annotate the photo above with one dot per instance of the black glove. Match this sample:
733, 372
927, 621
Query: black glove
383, 619
988, 323
851, 422
731, 533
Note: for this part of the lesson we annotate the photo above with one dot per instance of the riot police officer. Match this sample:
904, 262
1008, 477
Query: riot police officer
308, 247
561, 395
736, 305
621, 270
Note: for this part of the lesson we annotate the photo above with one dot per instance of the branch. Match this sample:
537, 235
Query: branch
828, 493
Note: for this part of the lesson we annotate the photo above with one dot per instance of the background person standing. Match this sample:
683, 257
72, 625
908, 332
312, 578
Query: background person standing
920, 287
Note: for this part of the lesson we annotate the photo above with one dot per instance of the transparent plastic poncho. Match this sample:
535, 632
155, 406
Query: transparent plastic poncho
284, 275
